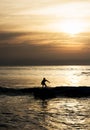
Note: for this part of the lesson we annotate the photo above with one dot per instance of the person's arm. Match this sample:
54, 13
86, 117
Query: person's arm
48, 81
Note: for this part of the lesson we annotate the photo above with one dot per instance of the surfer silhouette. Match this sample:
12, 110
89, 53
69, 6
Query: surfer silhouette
43, 82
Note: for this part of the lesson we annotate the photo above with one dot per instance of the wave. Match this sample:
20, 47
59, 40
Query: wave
49, 92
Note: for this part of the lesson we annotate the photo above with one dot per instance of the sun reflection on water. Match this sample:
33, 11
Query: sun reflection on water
73, 79
64, 114
69, 76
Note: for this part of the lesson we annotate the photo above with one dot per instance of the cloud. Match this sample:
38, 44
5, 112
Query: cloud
37, 15
10, 35
25, 53
21, 48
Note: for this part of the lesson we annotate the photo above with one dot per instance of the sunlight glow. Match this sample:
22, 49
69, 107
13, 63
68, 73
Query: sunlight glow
71, 27
73, 77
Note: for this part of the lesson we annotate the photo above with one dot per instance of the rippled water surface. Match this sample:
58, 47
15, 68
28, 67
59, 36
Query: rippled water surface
31, 76
27, 113
24, 112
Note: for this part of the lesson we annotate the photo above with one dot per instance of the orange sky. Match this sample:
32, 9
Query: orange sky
45, 31
46, 15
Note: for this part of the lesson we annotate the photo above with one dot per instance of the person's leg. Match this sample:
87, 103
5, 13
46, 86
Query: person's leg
45, 86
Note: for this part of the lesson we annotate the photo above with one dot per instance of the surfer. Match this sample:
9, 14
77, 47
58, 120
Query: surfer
43, 82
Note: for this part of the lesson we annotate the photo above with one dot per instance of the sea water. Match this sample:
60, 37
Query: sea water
31, 76
27, 113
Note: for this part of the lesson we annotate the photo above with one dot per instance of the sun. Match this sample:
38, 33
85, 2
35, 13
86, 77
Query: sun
71, 27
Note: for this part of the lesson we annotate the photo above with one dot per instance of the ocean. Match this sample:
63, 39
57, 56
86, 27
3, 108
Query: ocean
27, 113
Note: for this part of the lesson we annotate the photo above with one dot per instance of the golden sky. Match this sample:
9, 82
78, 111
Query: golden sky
45, 30
45, 15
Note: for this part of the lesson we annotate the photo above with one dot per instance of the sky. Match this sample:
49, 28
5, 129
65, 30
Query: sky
48, 32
